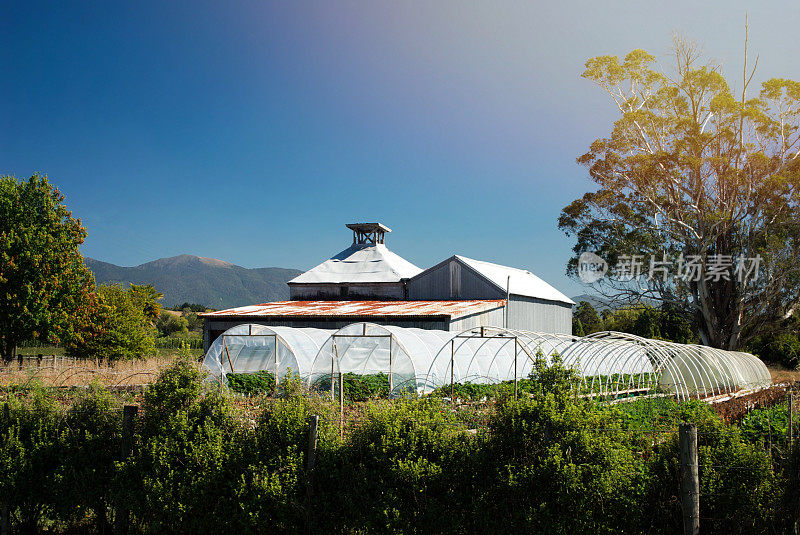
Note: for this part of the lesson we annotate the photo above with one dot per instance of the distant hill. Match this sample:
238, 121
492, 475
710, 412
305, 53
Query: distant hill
195, 279
599, 303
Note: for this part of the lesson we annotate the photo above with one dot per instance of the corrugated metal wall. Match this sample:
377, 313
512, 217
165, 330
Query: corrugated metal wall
490, 318
533, 314
452, 280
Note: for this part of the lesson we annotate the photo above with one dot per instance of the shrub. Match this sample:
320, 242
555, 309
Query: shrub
261, 382
404, 469
734, 476
271, 461
783, 348
30, 458
181, 478
561, 464
90, 444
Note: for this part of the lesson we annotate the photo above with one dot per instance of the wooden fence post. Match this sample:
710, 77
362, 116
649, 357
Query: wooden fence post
122, 519
313, 426
690, 479
128, 416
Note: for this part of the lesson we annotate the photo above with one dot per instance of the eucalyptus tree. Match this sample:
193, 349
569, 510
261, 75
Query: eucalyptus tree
695, 177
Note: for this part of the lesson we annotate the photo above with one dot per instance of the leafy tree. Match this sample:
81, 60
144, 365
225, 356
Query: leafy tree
192, 307
118, 327
690, 168
147, 297
171, 324
783, 348
649, 322
195, 322
577, 327
587, 315
43, 281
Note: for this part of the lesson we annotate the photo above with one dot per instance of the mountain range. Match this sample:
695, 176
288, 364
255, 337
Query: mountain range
207, 281
215, 283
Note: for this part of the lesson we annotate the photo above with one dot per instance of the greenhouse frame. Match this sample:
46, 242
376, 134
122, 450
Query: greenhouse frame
422, 360
251, 348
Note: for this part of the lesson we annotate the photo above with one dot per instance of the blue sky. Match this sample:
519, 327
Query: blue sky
253, 131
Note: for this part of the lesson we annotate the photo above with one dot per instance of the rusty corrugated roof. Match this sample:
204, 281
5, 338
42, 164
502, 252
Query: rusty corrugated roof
362, 308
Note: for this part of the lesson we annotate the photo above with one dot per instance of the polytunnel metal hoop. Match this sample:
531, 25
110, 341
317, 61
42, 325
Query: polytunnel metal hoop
609, 363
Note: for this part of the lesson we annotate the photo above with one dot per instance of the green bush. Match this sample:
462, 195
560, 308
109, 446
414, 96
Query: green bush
30, 459
262, 382
89, 447
738, 491
561, 464
550, 462
783, 348
181, 471
405, 469
357, 387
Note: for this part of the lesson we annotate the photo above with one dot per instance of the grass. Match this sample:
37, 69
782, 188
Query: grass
66, 372
781, 374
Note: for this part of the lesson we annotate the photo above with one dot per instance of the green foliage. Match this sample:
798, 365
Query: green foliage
30, 459
172, 324
650, 322
357, 387
768, 425
120, 327
588, 318
405, 469
146, 298
261, 382
549, 462
554, 472
734, 476
195, 322
43, 281
191, 307
182, 464
781, 348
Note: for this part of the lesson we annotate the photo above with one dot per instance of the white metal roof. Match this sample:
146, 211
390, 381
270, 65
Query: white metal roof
522, 282
360, 263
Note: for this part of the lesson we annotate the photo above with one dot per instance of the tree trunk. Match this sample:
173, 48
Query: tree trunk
9, 351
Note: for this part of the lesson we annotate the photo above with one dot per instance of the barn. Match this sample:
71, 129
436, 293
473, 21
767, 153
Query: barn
531, 303
367, 282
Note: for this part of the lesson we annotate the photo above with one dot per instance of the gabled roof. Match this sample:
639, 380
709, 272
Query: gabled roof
360, 263
453, 309
521, 282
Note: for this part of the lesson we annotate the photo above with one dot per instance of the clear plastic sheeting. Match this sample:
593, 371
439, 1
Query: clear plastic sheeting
251, 348
493, 355
608, 363
403, 354
420, 360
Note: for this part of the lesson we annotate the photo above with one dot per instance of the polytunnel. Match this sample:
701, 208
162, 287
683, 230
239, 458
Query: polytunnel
421, 360
402, 354
250, 348
493, 355
607, 362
